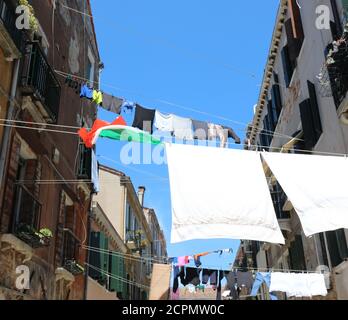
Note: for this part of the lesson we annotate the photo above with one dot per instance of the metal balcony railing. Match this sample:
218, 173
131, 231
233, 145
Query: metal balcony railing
71, 250
8, 18
38, 79
26, 218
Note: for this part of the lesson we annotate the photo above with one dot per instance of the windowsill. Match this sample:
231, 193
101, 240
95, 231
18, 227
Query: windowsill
18, 245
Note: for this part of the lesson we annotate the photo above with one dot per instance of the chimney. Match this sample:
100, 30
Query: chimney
141, 194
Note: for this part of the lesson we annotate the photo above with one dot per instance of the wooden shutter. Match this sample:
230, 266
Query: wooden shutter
94, 256
307, 124
296, 20
318, 129
272, 119
277, 100
104, 256
294, 45
287, 67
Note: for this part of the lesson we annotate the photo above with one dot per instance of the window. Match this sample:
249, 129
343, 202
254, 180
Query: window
276, 99
296, 253
84, 170
337, 245
287, 65
310, 117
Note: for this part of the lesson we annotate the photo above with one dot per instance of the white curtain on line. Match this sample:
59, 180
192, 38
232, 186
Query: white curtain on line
219, 193
317, 187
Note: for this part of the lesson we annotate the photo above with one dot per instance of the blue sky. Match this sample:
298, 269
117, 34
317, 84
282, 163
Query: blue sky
200, 54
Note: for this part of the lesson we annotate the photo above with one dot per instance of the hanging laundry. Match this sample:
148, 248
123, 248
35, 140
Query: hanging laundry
207, 205
144, 118
197, 258
117, 130
183, 261
182, 276
164, 122
182, 128
298, 284
97, 97
95, 172
219, 287
86, 92
200, 130
112, 104
175, 295
262, 277
232, 134
192, 276
200, 287
232, 286
176, 275
128, 105
210, 275
160, 282
316, 187
216, 131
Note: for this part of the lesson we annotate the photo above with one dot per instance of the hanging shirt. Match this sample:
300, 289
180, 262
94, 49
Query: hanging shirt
164, 122
144, 118
200, 129
182, 128
86, 92
232, 134
210, 275
183, 261
192, 276
97, 97
111, 103
128, 105
245, 280
216, 131
316, 187
197, 209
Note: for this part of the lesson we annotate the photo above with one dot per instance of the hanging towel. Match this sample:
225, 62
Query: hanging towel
164, 122
144, 118
111, 103
207, 203
183, 261
316, 187
182, 128
86, 92
298, 284
262, 277
200, 129
97, 97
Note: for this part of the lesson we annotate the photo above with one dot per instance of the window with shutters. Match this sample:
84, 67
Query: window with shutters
118, 277
337, 246
310, 118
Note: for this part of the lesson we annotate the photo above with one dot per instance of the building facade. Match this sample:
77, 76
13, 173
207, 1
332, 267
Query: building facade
302, 109
122, 208
44, 199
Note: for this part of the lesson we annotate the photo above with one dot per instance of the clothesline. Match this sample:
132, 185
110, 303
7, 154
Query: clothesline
266, 132
229, 143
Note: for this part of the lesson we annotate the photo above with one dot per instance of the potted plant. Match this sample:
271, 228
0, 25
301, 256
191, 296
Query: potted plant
34, 238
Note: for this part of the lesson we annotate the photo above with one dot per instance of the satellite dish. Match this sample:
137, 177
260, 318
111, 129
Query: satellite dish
326, 271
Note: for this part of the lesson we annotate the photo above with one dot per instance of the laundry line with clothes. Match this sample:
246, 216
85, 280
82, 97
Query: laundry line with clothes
246, 283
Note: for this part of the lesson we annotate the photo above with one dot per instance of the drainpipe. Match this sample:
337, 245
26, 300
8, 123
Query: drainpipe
10, 116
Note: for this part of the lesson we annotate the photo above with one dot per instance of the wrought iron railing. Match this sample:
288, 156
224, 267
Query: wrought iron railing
8, 18
38, 79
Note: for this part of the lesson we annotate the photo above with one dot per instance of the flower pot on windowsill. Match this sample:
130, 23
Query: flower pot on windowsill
36, 239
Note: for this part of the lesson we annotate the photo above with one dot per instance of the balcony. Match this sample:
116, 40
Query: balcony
26, 224
39, 81
337, 66
12, 37
71, 250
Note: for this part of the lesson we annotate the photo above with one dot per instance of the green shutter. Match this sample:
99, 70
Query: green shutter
118, 271
104, 256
